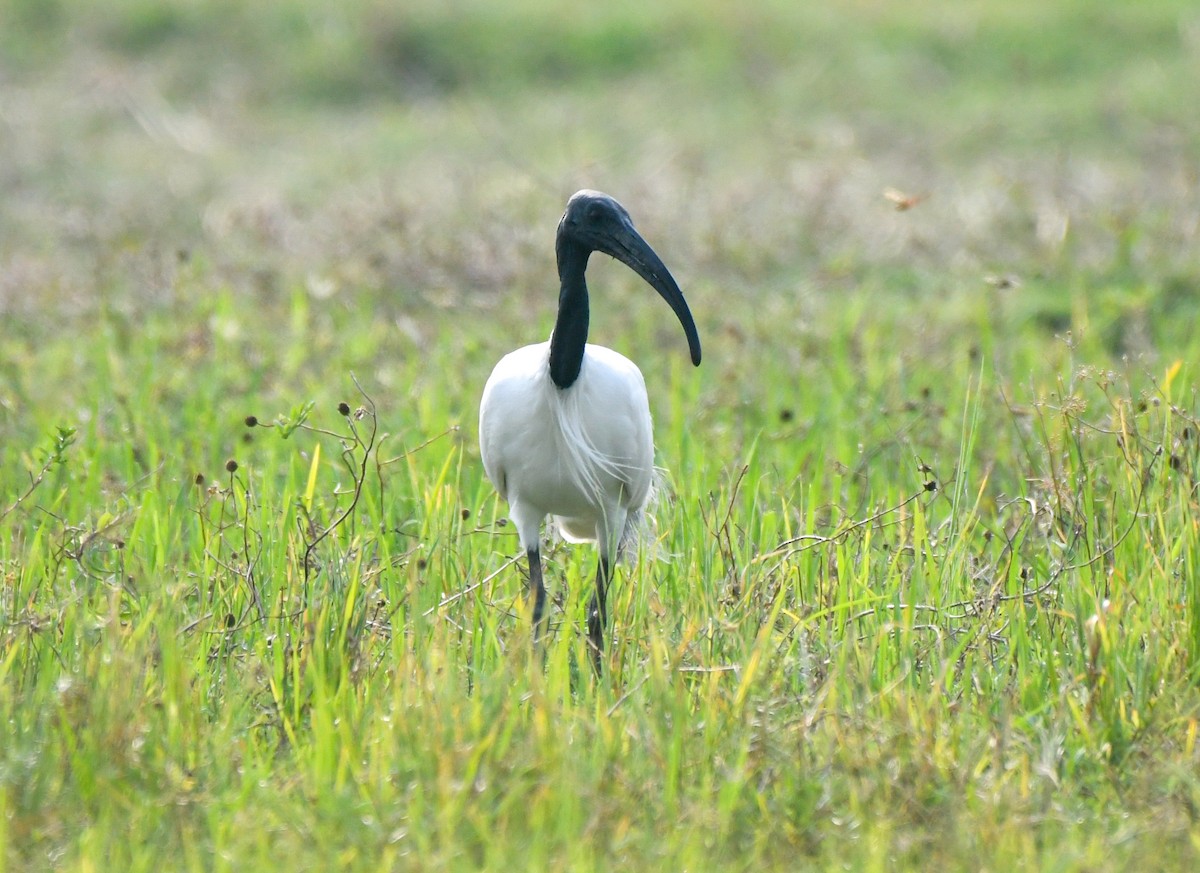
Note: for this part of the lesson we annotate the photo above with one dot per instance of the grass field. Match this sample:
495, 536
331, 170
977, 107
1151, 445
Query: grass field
924, 585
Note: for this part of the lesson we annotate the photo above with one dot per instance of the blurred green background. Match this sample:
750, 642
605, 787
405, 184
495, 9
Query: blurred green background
414, 148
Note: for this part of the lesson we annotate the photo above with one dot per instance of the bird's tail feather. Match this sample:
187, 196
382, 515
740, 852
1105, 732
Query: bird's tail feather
586, 462
640, 536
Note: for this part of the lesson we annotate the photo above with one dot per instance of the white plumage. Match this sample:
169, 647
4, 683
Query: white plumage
584, 456
564, 426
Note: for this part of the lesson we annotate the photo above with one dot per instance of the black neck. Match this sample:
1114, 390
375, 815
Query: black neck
571, 329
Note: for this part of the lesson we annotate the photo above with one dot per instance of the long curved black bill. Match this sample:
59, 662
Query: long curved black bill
627, 246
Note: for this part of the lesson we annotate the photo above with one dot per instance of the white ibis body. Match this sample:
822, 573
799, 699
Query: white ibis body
564, 426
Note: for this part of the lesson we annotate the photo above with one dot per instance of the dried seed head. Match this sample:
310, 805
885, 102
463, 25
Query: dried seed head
343, 408
231, 466
199, 480
251, 421
466, 513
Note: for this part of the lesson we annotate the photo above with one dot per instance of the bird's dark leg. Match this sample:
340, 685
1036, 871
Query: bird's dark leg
537, 593
598, 613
